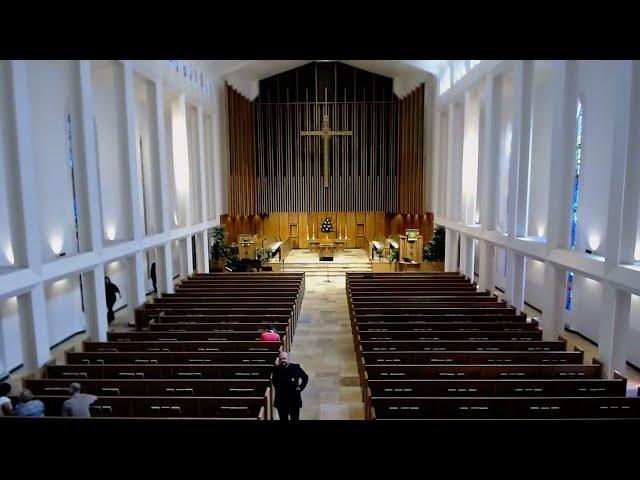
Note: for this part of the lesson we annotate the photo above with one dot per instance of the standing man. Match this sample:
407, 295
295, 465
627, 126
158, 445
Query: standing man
152, 274
110, 290
289, 381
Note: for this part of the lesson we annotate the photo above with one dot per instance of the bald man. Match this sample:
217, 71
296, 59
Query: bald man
289, 381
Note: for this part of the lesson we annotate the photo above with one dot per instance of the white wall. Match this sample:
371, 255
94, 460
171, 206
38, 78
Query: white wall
633, 352
64, 309
207, 125
194, 163
53, 88
506, 130
93, 93
108, 105
540, 151
6, 250
598, 85
147, 157
11, 345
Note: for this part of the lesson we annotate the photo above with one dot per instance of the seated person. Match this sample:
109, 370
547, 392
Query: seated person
6, 409
270, 335
28, 406
79, 403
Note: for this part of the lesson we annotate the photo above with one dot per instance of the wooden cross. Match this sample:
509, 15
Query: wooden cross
325, 133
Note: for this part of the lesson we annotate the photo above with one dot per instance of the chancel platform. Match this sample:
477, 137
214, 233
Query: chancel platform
347, 260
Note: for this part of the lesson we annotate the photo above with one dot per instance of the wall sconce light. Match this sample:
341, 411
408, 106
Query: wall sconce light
175, 218
111, 232
541, 230
55, 242
594, 241
476, 218
9, 254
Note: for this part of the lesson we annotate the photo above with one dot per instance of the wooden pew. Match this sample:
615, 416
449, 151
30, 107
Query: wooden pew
154, 387
171, 358
183, 346
178, 371
483, 336
185, 407
505, 407
507, 326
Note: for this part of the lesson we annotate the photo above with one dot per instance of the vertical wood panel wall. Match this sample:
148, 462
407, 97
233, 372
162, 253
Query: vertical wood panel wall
362, 167
381, 167
411, 152
357, 226
242, 155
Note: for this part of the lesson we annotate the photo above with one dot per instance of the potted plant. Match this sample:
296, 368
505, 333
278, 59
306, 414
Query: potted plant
221, 253
434, 250
264, 255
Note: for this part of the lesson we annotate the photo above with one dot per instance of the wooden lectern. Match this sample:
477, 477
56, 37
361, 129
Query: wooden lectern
411, 248
247, 246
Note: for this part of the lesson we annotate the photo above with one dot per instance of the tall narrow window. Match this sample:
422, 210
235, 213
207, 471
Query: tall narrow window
70, 158
574, 197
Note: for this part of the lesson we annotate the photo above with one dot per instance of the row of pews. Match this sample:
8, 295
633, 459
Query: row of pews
431, 346
195, 354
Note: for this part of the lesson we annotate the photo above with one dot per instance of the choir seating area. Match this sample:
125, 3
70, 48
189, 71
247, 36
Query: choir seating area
431, 346
195, 354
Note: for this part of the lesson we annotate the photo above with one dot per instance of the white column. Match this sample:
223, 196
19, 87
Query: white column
614, 330
186, 258
162, 175
202, 252
563, 141
91, 222
181, 157
451, 170
451, 251
135, 293
622, 219
34, 331
519, 277
555, 284
202, 166
467, 252
519, 166
487, 266
164, 268
137, 226
94, 303
489, 165
220, 148
520, 146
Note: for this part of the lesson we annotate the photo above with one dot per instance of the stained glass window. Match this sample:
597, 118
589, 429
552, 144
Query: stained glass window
70, 158
574, 198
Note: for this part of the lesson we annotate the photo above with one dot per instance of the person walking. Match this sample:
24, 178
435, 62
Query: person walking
289, 380
110, 290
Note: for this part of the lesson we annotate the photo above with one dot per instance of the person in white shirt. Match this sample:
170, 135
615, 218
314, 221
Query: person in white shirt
6, 409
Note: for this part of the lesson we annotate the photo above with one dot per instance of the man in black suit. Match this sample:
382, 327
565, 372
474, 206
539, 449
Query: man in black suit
289, 381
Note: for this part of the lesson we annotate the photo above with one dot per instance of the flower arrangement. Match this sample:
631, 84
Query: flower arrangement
326, 226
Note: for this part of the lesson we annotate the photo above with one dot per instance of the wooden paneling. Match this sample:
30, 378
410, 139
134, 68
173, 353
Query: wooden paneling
283, 219
359, 226
351, 229
411, 152
380, 229
370, 225
242, 155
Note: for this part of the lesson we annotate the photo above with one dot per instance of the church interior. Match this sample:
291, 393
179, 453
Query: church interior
430, 239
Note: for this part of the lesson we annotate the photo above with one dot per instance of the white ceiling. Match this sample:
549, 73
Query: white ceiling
254, 70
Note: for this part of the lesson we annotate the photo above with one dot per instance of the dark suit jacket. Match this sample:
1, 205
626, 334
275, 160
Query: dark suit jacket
285, 380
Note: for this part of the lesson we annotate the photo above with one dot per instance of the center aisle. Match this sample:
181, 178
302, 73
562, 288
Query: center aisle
323, 346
